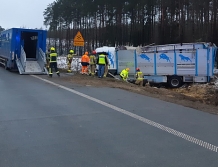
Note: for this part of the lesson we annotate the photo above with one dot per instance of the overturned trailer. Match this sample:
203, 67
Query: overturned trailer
173, 63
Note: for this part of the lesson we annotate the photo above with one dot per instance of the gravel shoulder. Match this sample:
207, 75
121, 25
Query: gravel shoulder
202, 97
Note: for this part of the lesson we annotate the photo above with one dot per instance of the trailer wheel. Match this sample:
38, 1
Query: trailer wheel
175, 81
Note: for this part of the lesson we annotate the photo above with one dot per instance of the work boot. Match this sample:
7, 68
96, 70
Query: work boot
50, 75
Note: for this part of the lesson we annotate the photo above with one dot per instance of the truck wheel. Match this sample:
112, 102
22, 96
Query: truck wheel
144, 82
175, 81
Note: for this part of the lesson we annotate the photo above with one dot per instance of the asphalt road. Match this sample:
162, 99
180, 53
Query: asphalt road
43, 125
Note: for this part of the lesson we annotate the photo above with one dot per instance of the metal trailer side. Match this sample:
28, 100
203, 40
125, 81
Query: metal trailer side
7, 48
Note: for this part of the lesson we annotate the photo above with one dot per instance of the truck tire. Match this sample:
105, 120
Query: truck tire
144, 82
175, 81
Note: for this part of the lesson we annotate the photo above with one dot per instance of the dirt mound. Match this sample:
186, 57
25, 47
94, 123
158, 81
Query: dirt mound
204, 93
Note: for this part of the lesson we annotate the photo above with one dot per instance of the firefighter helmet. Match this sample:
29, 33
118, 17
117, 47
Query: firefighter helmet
71, 51
52, 49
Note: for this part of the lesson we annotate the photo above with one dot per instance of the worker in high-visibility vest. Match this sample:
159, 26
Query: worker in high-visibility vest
92, 62
85, 63
139, 77
101, 61
106, 67
53, 62
69, 60
125, 74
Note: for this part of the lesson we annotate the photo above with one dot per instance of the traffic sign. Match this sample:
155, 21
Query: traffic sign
78, 39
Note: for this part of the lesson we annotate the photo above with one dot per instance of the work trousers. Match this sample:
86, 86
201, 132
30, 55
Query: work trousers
51, 66
69, 65
92, 68
101, 68
105, 70
139, 82
84, 67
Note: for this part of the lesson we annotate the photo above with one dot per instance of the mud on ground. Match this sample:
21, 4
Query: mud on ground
203, 97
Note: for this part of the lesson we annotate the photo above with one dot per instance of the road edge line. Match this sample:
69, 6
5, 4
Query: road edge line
140, 118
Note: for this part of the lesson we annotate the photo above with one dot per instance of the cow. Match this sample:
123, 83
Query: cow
184, 58
145, 57
164, 57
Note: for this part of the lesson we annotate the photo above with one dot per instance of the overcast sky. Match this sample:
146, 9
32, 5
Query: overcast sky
22, 13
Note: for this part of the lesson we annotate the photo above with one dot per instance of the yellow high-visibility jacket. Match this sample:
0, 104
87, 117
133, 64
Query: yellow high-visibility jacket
124, 74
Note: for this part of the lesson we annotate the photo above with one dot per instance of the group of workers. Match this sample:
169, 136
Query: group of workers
89, 63
139, 76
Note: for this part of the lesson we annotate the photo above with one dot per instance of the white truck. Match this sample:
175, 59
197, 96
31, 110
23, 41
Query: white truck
173, 63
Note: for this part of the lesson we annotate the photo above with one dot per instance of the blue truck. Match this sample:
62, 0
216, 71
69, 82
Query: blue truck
23, 50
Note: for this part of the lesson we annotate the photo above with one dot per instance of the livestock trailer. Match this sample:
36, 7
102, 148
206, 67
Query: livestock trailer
172, 63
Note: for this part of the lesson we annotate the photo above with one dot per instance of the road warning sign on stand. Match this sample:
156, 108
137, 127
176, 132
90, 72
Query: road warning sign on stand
78, 39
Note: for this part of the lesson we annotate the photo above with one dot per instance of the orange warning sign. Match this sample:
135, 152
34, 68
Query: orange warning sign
78, 39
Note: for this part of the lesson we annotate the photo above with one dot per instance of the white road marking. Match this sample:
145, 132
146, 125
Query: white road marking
142, 119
